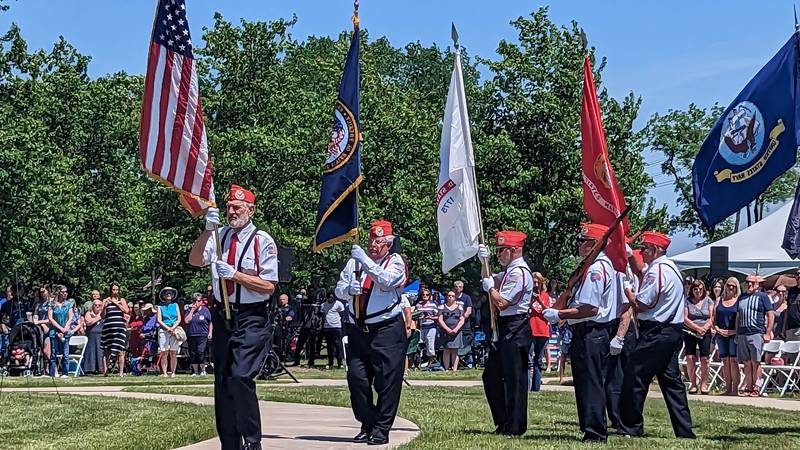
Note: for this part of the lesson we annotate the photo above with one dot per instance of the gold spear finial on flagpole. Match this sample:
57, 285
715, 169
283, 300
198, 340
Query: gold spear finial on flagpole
356, 21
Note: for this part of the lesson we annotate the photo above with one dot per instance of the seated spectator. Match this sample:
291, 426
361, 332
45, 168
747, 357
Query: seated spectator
15, 306
198, 330
169, 319
93, 355
754, 319
428, 319
451, 319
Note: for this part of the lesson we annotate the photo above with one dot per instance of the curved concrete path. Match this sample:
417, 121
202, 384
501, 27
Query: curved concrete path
284, 425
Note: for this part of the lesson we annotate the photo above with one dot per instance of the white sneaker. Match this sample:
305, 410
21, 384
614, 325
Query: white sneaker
64, 377
203, 374
194, 374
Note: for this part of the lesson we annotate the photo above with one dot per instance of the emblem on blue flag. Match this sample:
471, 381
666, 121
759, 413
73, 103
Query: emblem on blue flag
337, 212
749, 147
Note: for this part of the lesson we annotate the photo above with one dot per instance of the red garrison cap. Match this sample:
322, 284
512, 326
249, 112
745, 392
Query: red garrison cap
593, 231
241, 194
510, 238
656, 238
380, 228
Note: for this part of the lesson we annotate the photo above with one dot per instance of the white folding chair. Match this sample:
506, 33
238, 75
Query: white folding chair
787, 373
80, 343
770, 372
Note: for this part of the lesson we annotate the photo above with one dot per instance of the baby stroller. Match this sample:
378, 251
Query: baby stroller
25, 350
480, 349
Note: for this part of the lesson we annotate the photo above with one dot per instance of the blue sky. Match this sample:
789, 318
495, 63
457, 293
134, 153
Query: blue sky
671, 53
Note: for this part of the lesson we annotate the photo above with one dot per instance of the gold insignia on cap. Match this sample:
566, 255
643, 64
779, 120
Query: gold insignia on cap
239, 194
501, 240
379, 231
584, 230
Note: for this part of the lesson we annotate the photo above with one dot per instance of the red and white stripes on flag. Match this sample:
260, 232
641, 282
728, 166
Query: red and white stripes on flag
172, 141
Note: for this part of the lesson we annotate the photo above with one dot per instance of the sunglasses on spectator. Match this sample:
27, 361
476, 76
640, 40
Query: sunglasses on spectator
752, 282
697, 289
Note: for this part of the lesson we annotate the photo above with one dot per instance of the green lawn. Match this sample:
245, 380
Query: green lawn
40, 421
458, 418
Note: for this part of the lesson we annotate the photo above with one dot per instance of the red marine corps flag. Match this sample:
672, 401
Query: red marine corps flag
602, 197
172, 140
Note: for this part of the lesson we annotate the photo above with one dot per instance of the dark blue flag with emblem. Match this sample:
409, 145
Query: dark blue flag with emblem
337, 213
754, 142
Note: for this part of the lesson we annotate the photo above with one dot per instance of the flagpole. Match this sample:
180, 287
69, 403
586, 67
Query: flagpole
485, 270
226, 303
357, 265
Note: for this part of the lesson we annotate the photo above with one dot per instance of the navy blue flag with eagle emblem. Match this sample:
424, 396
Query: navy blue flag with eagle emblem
337, 213
752, 143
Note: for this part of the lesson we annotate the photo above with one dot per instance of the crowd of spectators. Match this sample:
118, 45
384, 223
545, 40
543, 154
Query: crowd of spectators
731, 323
122, 337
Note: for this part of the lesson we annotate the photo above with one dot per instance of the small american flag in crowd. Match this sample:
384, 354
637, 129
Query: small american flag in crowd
172, 140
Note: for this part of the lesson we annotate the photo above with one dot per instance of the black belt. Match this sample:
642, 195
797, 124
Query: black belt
375, 327
645, 325
592, 325
511, 318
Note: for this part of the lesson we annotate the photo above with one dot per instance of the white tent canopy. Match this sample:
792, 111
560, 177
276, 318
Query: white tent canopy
756, 248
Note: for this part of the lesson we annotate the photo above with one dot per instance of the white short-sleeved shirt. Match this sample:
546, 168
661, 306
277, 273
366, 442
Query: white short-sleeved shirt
388, 278
662, 290
599, 288
516, 287
259, 259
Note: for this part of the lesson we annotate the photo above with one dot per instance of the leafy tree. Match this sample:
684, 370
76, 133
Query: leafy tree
77, 207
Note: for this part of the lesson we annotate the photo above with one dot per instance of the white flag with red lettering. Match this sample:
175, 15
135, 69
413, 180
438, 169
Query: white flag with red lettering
457, 195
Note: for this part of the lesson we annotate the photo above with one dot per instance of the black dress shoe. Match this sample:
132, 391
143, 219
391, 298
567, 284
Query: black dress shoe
361, 437
377, 440
252, 446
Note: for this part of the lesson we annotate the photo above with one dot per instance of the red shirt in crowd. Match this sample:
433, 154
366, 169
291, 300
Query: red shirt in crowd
539, 325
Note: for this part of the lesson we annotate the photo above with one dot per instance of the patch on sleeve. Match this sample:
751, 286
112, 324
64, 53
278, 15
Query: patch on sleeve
272, 249
650, 278
594, 277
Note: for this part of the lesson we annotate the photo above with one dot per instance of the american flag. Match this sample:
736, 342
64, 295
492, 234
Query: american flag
172, 140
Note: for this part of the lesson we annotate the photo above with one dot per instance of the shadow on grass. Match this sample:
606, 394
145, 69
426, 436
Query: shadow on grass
768, 430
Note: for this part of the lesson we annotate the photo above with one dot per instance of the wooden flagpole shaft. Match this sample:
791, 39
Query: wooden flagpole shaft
225, 302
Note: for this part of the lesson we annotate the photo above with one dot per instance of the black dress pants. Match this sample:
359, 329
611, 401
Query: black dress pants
333, 340
655, 355
307, 339
239, 354
505, 377
589, 356
375, 359
616, 374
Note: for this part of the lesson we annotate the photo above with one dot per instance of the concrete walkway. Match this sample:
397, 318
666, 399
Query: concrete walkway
284, 425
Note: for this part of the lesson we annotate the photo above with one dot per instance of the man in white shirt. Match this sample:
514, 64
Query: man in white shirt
377, 340
659, 305
592, 313
505, 378
248, 271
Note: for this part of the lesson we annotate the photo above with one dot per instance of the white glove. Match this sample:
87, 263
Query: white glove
628, 250
616, 345
361, 256
488, 283
551, 315
354, 288
212, 219
483, 251
224, 270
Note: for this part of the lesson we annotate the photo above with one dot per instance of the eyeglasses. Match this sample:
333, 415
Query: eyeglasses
697, 289
752, 282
